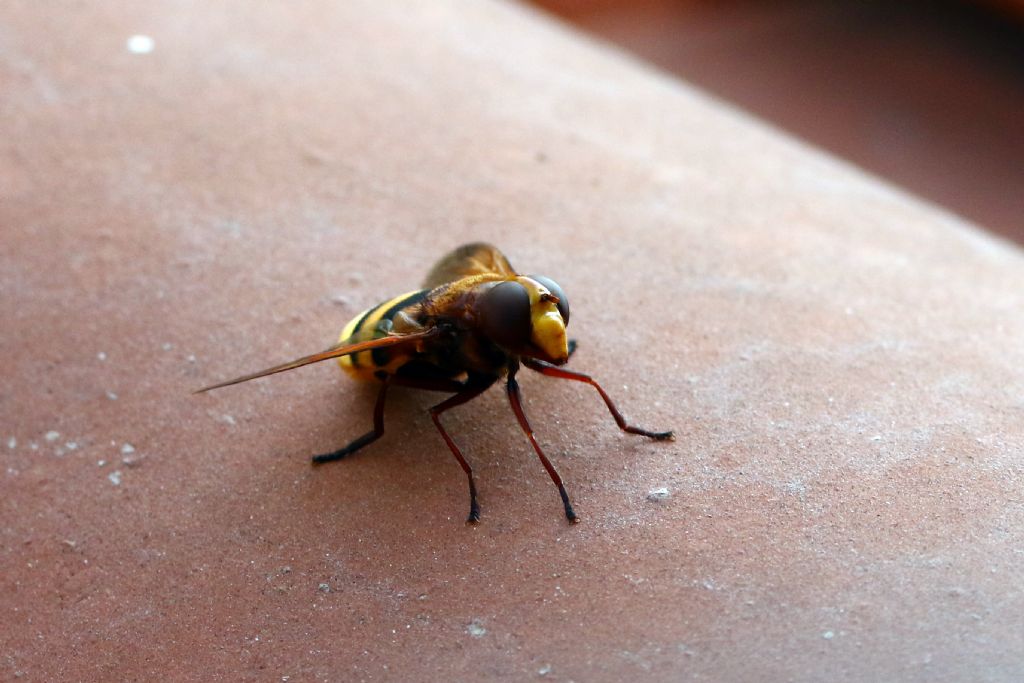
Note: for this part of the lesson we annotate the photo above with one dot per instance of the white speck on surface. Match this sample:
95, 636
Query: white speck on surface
127, 448
12, 443
33, 446
101, 355
140, 44
658, 495
324, 588
132, 459
544, 670
227, 419
191, 358
52, 435
828, 635
101, 463
71, 445
115, 477
167, 346
476, 629
111, 395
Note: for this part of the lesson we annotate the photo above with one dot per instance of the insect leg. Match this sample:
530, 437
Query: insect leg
561, 373
572, 348
515, 399
369, 437
471, 391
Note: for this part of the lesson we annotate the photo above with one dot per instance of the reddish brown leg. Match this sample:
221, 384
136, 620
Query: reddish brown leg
555, 371
515, 399
365, 439
473, 388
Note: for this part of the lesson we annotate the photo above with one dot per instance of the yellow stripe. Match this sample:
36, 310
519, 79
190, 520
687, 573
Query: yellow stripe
364, 367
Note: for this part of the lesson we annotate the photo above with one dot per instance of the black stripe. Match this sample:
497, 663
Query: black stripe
381, 357
355, 330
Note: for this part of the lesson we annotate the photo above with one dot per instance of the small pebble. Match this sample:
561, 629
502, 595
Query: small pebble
101, 356
658, 495
132, 459
127, 448
111, 395
324, 588
71, 445
12, 442
476, 629
828, 635
52, 436
115, 477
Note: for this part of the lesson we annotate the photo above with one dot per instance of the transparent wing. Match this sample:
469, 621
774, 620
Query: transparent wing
335, 351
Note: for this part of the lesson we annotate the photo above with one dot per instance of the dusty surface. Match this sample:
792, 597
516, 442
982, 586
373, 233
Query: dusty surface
842, 365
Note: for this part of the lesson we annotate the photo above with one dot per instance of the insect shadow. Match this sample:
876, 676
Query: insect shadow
474, 322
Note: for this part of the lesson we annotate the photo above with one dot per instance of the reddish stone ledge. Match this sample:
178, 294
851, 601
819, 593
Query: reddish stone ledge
841, 363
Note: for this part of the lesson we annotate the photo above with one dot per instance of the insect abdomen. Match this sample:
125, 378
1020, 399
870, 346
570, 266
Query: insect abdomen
374, 323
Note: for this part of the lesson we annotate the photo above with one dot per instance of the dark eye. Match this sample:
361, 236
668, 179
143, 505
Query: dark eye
505, 315
552, 286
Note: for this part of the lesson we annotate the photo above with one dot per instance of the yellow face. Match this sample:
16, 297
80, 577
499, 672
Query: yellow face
546, 321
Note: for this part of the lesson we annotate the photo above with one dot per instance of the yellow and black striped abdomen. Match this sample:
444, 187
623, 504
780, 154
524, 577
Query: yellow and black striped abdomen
374, 323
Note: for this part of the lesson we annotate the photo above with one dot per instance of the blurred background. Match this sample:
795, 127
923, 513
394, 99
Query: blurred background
929, 95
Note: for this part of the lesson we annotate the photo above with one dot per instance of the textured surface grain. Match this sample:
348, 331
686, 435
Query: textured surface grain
841, 363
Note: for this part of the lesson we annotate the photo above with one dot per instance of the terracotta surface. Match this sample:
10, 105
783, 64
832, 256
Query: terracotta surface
841, 362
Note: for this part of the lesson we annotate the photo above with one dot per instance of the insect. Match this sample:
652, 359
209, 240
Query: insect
475, 321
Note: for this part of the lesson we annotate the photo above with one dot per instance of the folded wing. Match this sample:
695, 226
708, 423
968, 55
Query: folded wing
477, 258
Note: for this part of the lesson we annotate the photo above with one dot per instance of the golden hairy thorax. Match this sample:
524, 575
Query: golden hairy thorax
404, 314
401, 315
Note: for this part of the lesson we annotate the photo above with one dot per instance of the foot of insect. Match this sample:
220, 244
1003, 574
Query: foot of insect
331, 457
474, 513
570, 514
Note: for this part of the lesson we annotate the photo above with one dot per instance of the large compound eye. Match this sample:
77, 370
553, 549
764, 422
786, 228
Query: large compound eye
552, 286
505, 315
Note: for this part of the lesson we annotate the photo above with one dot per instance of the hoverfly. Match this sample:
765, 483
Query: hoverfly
475, 321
